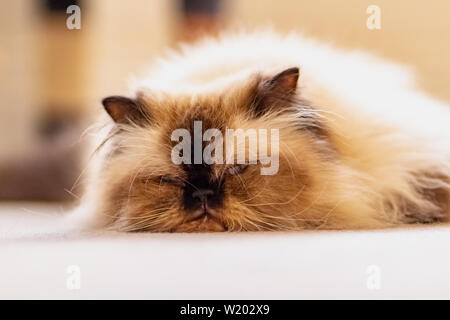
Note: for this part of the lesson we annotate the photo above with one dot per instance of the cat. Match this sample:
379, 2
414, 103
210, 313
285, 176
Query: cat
359, 146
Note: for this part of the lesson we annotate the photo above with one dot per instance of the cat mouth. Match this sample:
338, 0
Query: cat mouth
203, 212
202, 220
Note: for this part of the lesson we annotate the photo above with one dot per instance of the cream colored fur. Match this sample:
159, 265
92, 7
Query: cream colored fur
391, 137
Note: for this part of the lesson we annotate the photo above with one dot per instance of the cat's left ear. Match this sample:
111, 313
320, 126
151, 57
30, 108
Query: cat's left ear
124, 110
276, 92
284, 82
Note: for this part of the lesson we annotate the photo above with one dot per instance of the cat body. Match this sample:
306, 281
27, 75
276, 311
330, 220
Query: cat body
359, 146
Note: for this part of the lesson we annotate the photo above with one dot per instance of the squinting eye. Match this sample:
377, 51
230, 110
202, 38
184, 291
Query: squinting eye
237, 169
170, 180
166, 179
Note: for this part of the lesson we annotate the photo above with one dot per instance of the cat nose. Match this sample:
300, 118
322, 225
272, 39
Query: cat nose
200, 203
202, 195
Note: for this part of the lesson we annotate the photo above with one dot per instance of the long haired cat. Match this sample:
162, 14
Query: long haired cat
358, 145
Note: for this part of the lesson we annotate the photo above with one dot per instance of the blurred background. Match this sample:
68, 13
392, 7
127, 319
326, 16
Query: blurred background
52, 78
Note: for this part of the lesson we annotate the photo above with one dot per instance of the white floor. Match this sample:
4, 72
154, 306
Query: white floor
37, 262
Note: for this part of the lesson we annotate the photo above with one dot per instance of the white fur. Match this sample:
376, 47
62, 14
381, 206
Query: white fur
385, 126
384, 89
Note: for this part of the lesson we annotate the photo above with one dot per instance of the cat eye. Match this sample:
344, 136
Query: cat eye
173, 180
237, 169
165, 179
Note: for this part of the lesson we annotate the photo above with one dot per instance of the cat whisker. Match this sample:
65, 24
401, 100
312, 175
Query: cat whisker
277, 203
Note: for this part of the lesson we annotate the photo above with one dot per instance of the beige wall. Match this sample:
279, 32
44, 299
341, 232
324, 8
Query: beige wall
122, 41
414, 32
18, 77
46, 68
119, 39
61, 53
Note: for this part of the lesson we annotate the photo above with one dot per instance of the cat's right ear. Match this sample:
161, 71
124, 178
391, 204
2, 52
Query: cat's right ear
124, 110
276, 92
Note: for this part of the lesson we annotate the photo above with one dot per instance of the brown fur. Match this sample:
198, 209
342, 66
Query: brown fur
338, 169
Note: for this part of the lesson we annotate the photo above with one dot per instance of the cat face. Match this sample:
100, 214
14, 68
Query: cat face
146, 189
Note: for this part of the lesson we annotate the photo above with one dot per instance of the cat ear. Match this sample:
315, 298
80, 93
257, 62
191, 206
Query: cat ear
285, 82
277, 92
124, 110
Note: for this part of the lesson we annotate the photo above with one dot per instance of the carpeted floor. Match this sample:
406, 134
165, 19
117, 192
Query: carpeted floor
38, 262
